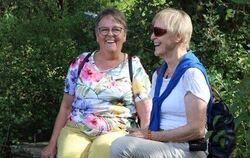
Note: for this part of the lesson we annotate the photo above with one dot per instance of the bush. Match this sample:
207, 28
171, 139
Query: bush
38, 40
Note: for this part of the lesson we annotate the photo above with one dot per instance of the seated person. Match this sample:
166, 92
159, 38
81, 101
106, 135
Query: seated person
98, 104
182, 114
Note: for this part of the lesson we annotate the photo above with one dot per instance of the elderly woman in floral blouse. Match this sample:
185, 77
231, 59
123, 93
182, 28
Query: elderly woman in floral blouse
98, 105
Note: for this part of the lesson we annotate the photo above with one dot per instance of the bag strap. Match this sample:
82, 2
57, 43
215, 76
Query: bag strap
86, 59
130, 67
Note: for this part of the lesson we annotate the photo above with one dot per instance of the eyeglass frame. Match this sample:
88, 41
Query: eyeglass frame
110, 29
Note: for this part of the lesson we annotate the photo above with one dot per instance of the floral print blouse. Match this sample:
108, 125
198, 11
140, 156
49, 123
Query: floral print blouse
103, 100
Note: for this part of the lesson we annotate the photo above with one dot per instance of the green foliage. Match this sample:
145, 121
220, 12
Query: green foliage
39, 38
139, 23
37, 42
242, 113
241, 1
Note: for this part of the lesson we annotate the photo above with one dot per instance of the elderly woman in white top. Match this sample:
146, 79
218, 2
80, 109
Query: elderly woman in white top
181, 115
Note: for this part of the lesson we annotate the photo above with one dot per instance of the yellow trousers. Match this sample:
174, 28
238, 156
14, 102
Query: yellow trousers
72, 143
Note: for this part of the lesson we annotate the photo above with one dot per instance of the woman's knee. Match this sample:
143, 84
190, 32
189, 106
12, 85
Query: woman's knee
102, 144
122, 146
123, 141
72, 144
117, 147
118, 143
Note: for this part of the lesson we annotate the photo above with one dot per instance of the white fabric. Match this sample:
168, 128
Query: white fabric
173, 113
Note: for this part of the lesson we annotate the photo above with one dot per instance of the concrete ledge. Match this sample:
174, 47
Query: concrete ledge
27, 150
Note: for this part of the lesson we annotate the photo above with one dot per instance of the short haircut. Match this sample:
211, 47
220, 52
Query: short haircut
116, 14
176, 21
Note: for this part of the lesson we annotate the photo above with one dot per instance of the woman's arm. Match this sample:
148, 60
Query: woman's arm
143, 109
196, 122
194, 129
141, 88
50, 150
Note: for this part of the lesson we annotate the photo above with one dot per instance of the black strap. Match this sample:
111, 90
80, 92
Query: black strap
130, 68
86, 59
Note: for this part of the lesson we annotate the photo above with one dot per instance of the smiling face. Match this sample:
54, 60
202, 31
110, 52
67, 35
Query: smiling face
164, 40
110, 34
173, 31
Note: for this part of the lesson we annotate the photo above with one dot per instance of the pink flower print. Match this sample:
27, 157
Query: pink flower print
94, 121
91, 121
77, 61
89, 73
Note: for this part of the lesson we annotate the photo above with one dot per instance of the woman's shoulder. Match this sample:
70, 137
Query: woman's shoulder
193, 76
135, 59
195, 82
77, 60
83, 55
194, 73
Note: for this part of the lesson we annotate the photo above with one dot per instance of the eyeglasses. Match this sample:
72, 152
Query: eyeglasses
105, 30
158, 31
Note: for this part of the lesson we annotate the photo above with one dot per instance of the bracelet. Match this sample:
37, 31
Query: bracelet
149, 135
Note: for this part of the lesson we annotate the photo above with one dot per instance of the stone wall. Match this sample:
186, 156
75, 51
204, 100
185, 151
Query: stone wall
27, 150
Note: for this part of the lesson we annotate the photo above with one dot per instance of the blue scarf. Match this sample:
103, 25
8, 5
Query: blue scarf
188, 60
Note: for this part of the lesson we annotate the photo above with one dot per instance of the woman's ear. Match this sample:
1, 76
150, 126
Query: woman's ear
178, 38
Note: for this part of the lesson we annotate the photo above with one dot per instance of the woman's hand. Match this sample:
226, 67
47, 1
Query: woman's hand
49, 151
137, 132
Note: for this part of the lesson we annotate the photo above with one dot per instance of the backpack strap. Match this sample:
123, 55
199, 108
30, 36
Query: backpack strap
86, 59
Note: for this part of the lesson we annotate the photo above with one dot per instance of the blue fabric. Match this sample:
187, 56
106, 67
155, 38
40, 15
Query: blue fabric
189, 60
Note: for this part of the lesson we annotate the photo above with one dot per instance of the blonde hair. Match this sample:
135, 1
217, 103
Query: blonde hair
176, 21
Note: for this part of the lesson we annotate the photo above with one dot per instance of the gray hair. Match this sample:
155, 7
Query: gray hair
116, 14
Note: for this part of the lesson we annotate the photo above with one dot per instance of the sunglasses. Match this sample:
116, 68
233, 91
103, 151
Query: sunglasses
158, 31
